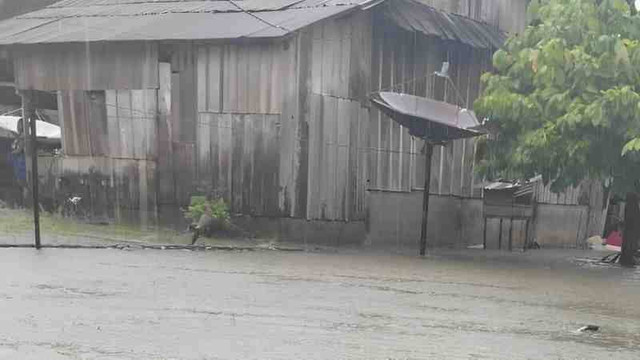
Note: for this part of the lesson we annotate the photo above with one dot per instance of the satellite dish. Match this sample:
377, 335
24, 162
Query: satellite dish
444, 71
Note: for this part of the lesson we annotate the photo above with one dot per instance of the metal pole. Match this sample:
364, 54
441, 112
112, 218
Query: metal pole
425, 198
484, 234
500, 236
526, 236
29, 115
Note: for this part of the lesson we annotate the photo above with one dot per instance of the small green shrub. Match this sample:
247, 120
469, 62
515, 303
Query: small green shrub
200, 205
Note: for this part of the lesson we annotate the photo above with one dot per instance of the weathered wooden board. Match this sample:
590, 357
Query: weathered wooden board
77, 115
132, 116
245, 78
90, 66
238, 160
97, 123
204, 145
166, 181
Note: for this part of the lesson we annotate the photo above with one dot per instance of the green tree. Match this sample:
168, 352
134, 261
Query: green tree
564, 100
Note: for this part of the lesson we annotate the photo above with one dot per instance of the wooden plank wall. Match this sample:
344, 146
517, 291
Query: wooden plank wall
256, 85
121, 188
337, 182
176, 127
83, 123
570, 196
90, 66
131, 123
338, 112
114, 123
110, 150
165, 171
238, 157
244, 78
405, 62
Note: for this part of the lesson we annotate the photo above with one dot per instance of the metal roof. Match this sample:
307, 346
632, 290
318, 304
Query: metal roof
120, 20
9, 125
415, 16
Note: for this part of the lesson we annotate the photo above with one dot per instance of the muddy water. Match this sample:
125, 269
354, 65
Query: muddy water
111, 304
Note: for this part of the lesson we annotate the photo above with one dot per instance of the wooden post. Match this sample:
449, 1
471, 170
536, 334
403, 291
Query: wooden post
425, 198
511, 234
28, 114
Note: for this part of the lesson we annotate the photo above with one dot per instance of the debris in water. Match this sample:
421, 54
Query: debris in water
592, 328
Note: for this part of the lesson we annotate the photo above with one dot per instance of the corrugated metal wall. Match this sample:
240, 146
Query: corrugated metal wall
508, 15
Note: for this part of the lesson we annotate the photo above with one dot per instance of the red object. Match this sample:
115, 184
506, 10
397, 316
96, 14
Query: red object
614, 238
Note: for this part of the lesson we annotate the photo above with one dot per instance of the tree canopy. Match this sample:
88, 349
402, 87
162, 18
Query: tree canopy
564, 99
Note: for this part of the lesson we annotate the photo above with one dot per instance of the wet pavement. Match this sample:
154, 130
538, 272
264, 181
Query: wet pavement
149, 304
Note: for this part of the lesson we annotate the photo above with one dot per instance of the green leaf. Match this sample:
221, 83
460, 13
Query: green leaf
502, 60
564, 94
633, 145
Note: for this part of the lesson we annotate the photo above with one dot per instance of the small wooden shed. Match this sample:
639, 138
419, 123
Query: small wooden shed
508, 201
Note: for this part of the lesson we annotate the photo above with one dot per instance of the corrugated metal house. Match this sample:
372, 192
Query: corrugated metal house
264, 102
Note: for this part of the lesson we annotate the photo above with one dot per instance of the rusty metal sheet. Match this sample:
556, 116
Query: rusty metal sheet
414, 16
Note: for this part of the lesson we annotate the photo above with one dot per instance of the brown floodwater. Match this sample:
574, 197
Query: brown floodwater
146, 304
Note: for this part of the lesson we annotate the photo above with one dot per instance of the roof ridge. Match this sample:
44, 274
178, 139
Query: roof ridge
56, 5
235, 6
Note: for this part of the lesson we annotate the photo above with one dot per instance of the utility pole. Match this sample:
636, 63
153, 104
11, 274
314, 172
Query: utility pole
29, 117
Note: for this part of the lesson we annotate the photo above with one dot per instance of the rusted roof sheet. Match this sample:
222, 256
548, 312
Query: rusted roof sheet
120, 20
501, 185
414, 16
432, 120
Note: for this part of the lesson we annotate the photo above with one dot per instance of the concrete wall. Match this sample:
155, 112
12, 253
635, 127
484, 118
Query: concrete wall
561, 226
394, 219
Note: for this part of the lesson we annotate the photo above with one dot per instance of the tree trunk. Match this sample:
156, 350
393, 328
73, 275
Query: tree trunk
631, 232
632, 7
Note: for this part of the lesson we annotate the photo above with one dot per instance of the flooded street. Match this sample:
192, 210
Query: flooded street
113, 304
